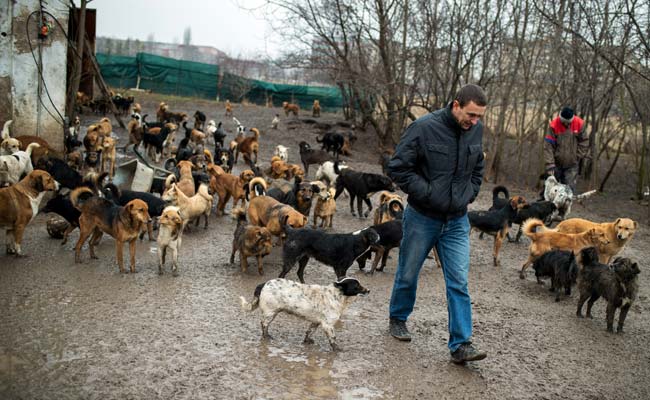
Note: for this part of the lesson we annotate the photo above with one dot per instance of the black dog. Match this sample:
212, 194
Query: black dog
219, 135
496, 222
155, 142
618, 285
360, 185
338, 250
390, 236
184, 151
61, 172
199, 120
122, 197
61, 204
540, 209
310, 156
146, 124
332, 142
561, 267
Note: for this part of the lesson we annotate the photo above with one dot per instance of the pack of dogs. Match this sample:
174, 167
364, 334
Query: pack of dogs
272, 207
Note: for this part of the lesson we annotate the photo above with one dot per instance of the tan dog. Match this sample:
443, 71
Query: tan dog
249, 146
618, 233
137, 109
19, 204
278, 169
228, 109
170, 236
108, 156
250, 240
295, 171
315, 109
290, 108
160, 112
550, 239
105, 127
193, 207
186, 181
227, 185
270, 213
101, 215
93, 139
325, 207
390, 207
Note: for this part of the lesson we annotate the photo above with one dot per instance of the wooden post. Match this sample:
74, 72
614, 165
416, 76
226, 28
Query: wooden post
102, 85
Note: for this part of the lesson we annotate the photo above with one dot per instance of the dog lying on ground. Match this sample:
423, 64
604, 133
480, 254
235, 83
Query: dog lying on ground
561, 267
191, 208
170, 235
618, 233
309, 156
290, 108
19, 204
618, 285
496, 222
390, 237
320, 305
299, 197
14, 166
325, 207
102, 215
250, 240
549, 239
391, 206
270, 213
338, 250
360, 185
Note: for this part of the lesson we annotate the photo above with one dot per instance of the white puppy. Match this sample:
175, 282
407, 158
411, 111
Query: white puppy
12, 167
320, 305
169, 237
282, 152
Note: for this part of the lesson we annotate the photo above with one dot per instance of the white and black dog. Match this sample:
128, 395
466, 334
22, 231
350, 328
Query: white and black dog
320, 305
561, 195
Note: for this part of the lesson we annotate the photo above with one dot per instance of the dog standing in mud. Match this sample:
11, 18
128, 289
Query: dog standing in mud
250, 240
320, 305
170, 236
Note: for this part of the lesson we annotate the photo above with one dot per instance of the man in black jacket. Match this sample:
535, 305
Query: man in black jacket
439, 164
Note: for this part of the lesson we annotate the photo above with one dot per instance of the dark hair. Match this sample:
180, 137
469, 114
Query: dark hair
469, 93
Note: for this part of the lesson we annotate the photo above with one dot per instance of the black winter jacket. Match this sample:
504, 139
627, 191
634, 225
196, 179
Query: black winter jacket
439, 165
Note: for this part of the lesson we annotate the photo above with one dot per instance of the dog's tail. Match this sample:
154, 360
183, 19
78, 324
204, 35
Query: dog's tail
497, 190
257, 187
531, 226
236, 121
80, 195
584, 195
246, 306
5, 130
170, 179
31, 147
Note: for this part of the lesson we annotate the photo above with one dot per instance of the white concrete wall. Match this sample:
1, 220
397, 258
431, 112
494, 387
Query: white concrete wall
19, 77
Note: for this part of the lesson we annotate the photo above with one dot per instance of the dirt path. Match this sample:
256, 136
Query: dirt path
85, 331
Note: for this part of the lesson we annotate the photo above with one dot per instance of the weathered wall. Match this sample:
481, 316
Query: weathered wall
20, 88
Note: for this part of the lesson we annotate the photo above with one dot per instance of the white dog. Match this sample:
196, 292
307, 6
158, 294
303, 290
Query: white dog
275, 122
562, 195
170, 236
190, 207
320, 305
12, 167
326, 172
282, 152
9, 145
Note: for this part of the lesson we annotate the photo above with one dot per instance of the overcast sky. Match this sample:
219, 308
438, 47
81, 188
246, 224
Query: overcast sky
219, 23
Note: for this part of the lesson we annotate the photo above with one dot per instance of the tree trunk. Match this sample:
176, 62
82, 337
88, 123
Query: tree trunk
75, 76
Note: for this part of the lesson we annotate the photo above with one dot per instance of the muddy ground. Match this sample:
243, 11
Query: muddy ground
72, 331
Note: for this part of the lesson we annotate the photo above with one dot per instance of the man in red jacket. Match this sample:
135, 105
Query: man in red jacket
565, 145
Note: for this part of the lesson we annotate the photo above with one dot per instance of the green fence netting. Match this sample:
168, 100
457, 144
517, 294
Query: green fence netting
188, 78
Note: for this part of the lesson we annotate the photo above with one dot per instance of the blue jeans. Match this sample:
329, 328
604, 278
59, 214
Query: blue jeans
451, 239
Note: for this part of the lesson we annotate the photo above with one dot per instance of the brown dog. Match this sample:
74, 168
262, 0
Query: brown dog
227, 185
249, 146
325, 207
186, 181
550, 239
315, 109
108, 156
268, 212
391, 206
19, 205
290, 108
618, 233
101, 215
228, 109
250, 240
105, 127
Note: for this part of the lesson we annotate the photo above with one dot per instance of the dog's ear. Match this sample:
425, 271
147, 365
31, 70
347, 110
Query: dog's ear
305, 220
636, 225
315, 188
39, 184
284, 219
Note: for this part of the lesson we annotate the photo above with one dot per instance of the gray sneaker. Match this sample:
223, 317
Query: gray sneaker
467, 352
398, 330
